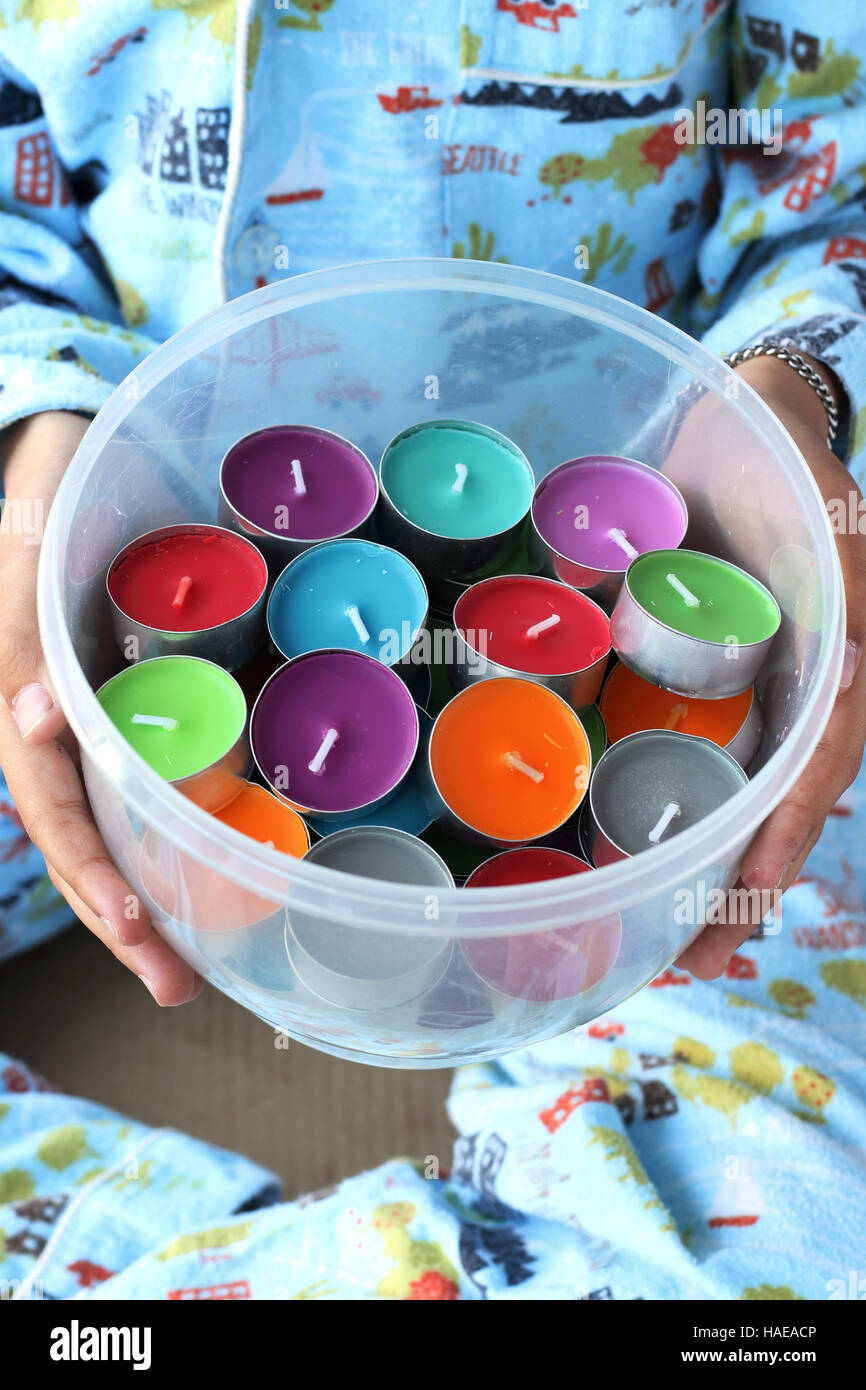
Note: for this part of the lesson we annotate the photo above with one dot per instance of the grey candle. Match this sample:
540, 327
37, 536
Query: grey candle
652, 785
361, 969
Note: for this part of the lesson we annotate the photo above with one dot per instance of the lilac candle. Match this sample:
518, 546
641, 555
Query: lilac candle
592, 516
289, 486
334, 731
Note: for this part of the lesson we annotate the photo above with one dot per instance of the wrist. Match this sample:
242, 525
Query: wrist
36, 451
779, 384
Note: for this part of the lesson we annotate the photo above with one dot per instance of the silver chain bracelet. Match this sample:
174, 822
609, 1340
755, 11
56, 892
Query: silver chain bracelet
802, 368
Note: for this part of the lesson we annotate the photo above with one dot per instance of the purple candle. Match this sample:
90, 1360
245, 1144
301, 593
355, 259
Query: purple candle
290, 486
334, 731
592, 516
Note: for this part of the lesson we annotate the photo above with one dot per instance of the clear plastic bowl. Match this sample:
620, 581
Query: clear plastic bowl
365, 350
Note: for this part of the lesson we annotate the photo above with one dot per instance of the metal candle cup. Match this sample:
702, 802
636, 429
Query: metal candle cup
693, 624
288, 487
359, 969
630, 704
652, 785
351, 594
541, 966
592, 516
187, 718
334, 732
454, 495
163, 605
509, 762
534, 628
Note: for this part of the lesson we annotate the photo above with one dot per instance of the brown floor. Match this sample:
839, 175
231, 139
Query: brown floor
211, 1068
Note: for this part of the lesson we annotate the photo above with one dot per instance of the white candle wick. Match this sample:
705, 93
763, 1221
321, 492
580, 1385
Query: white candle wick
158, 721
619, 537
518, 765
183, 589
298, 478
685, 594
544, 626
354, 616
461, 470
671, 811
318, 762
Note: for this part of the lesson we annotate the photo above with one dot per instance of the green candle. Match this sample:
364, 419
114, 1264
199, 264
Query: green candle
181, 714
702, 596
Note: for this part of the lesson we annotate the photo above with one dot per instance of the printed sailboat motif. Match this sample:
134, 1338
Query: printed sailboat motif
737, 1203
302, 178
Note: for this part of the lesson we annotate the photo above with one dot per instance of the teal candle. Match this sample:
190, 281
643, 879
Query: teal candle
704, 597
457, 479
179, 713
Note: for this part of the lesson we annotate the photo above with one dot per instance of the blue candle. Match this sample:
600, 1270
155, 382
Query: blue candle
351, 594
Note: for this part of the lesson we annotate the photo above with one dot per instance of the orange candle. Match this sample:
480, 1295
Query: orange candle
630, 705
510, 760
255, 812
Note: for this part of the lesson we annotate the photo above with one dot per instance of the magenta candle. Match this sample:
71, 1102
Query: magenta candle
533, 627
541, 966
289, 486
334, 731
592, 516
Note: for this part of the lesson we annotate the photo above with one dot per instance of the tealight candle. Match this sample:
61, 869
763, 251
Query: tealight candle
591, 718
509, 760
453, 495
630, 704
290, 486
592, 516
191, 590
264, 817
653, 785
334, 732
410, 808
535, 628
350, 594
360, 969
186, 717
541, 966
694, 624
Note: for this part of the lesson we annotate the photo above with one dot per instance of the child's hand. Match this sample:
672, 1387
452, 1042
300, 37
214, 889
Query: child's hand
37, 752
776, 854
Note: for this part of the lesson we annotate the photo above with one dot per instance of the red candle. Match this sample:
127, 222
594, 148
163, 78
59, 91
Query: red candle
541, 966
190, 590
531, 625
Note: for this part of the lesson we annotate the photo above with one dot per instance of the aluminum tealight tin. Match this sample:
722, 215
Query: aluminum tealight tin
449, 559
691, 666
229, 644
278, 546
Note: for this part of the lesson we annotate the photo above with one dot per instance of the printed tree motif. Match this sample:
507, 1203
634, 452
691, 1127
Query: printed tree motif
814, 1089
757, 1067
792, 997
834, 75
309, 16
254, 48
846, 977
713, 1091
694, 1053
479, 250
216, 1238
64, 1146
615, 1146
470, 47
132, 306
415, 1260
39, 12
220, 16
771, 1293
603, 251
15, 1185
634, 159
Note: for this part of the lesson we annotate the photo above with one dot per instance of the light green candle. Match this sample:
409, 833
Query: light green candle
457, 479
703, 597
181, 714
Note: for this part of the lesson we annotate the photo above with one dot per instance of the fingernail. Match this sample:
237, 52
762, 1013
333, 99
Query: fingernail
782, 876
150, 986
112, 928
30, 706
850, 662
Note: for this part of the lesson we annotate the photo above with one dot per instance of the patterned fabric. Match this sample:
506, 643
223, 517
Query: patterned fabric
703, 1140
